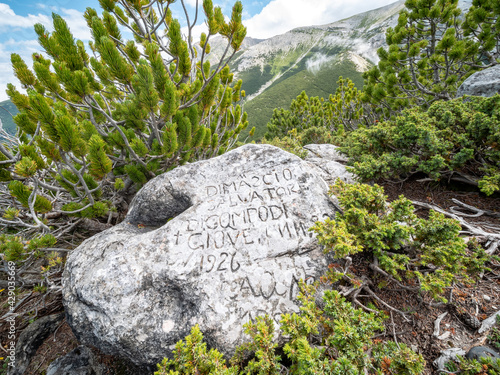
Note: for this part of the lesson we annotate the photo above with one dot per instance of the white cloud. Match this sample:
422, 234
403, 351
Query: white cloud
280, 16
46, 6
195, 32
6, 76
25, 49
315, 63
77, 24
9, 19
24, 43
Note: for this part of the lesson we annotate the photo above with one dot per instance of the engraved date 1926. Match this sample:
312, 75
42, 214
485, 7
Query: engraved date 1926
223, 262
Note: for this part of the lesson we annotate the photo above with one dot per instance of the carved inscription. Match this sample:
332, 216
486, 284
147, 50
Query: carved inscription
224, 262
244, 209
246, 315
253, 189
246, 220
271, 293
267, 286
237, 219
250, 182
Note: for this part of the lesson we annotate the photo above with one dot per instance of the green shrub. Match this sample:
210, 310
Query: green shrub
17, 249
328, 337
192, 357
427, 253
263, 347
291, 143
458, 139
485, 365
295, 141
317, 120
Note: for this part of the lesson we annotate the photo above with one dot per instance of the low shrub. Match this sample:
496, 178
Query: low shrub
457, 139
330, 337
425, 256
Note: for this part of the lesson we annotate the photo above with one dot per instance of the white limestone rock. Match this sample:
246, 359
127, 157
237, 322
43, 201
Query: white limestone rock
215, 243
447, 355
483, 83
330, 163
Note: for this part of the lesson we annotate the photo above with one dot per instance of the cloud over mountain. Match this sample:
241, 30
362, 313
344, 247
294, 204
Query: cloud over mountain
280, 16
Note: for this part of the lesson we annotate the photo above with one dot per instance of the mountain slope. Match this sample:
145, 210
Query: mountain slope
276, 70
7, 110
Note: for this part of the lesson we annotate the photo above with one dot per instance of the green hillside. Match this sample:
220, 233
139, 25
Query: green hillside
281, 93
7, 110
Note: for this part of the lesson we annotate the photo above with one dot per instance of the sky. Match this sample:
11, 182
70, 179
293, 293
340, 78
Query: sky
263, 19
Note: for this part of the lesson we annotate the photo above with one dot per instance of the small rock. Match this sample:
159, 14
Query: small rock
326, 152
483, 83
328, 163
488, 323
487, 298
478, 352
81, 361
444, 336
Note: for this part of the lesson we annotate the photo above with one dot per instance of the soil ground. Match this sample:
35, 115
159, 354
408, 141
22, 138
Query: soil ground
480, 300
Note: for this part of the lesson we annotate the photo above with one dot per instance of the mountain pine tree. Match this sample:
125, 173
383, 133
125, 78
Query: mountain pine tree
94, 124
432, 50
314, 118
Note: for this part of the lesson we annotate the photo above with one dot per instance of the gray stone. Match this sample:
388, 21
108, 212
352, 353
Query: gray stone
478, 352
483, 83
329, 163
214, 243
325, 151
80, 361
30, 340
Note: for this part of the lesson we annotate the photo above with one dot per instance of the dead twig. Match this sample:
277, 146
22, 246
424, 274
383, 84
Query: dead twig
372, 293
477, 211
57, 329
11, 312
437, 324
469, 228
394, 331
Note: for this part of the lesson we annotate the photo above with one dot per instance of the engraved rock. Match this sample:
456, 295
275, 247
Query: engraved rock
215, 243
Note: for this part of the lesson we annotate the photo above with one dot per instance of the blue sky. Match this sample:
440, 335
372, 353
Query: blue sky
263, 18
